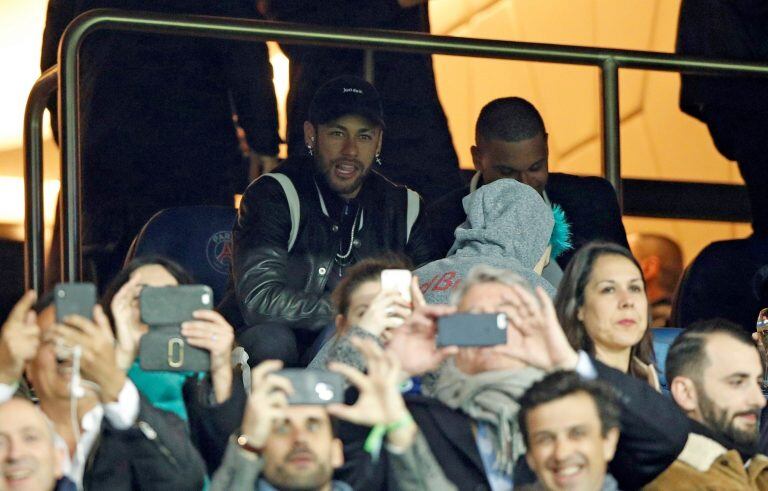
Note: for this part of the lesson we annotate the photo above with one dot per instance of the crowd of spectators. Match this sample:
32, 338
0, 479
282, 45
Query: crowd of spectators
517, 355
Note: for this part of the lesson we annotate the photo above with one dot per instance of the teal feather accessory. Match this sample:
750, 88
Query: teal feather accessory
561, 233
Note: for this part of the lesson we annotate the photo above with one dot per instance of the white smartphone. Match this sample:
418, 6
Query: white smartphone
398, 280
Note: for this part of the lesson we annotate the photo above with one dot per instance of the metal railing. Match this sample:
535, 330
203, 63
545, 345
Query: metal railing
609, 61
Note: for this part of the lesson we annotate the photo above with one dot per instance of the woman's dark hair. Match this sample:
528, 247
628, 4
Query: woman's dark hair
570, 298
175, 270
366, 270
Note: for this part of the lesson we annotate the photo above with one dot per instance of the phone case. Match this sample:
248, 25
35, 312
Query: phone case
164, 348
314, 387
472, 330
398, 280
161, 306
74, 299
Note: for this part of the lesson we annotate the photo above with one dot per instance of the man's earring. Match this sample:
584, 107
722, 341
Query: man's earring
378, 160
309, 150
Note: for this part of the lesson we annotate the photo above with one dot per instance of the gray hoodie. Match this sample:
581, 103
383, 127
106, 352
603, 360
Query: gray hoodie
508, 226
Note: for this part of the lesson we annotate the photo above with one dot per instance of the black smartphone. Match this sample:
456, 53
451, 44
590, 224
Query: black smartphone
472, 330
163, 348
314, 387
74, 299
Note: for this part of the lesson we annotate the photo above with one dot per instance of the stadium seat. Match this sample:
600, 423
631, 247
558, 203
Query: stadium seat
199, 238
662, 339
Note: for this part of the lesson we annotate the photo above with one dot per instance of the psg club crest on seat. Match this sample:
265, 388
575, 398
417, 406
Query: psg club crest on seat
219, 251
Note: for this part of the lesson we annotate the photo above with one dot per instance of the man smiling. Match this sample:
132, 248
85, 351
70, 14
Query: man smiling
571, 428
299, 228
29, 458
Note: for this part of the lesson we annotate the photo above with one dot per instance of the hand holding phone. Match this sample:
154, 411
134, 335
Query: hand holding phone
266, 403
397, 280
386, 311
380, 401
19, 339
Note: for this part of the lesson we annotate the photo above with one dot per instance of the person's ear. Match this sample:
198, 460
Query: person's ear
610, 440
580, 314
310, 134
340, 321
651, 267
476, 157
337, 453
684, 393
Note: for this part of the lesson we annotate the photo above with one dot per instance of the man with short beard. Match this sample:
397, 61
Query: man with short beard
714, 374
299, 228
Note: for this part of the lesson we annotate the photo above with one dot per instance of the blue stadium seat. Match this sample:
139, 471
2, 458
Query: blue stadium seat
662, 339
199, 238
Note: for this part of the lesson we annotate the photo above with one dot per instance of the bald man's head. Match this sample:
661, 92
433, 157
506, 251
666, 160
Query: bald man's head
661, 260
28, 456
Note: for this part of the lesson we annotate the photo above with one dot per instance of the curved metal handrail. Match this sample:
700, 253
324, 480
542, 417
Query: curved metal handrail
608, 60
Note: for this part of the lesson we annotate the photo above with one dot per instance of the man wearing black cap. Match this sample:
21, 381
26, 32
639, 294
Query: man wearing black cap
300, 227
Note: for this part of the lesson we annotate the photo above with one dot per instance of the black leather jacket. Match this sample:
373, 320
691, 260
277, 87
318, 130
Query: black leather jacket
274, 285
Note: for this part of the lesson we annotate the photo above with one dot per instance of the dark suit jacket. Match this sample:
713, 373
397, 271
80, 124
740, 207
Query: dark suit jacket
653, 429
653, 432
589, 203
450, 437
155, 454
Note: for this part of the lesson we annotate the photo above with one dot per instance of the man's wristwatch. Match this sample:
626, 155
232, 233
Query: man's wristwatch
244, 443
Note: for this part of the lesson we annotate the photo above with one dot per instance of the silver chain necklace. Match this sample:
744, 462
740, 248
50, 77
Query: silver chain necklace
341, 257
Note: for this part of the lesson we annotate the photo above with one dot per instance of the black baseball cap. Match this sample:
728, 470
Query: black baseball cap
346, 95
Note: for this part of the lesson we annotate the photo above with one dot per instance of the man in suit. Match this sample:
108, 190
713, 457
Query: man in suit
734, 108
511, 142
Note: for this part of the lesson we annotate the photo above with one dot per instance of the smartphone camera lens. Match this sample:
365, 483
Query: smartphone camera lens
324, 391
501, 321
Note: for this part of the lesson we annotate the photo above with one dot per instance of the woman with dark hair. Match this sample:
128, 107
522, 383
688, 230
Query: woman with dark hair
364, 310
208, 331
603, 308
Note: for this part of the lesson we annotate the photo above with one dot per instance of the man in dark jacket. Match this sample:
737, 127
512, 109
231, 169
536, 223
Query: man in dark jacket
299, 229
511, 142
734, 108
418, 149
156, 120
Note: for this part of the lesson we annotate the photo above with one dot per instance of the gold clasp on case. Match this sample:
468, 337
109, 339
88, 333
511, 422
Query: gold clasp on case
175, 361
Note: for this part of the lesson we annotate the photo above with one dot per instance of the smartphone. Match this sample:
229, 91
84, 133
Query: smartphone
314, 387
166, 305
472, 330
74, 299
164, 309
398, 280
